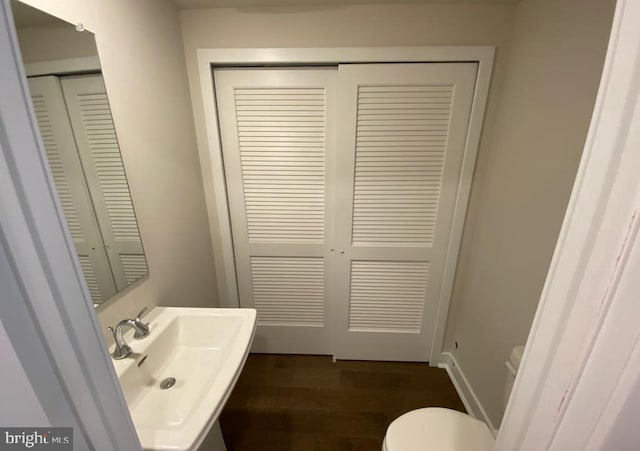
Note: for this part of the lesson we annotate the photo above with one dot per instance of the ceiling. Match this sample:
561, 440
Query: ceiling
25, 16
191, 4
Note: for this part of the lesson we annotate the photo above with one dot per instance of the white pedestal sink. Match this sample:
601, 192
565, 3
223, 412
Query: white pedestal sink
204, 350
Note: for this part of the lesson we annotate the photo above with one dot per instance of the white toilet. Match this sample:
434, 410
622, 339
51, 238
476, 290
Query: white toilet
438, 429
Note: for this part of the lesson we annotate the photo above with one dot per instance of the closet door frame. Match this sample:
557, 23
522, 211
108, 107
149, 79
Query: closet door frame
213, 167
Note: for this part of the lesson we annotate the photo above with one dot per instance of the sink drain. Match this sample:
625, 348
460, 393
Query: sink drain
168, 383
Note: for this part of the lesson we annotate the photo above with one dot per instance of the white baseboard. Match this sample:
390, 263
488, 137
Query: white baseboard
466, 393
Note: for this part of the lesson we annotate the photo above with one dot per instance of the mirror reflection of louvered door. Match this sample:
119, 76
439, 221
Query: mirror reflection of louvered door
402, 135
277, 129
97, 143
340, 241
66, 169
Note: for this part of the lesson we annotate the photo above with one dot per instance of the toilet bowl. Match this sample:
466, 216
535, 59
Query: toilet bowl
439, 429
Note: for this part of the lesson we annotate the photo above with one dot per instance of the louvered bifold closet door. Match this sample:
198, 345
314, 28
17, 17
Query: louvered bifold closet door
95, 135
64, 162
401, 141
277, 137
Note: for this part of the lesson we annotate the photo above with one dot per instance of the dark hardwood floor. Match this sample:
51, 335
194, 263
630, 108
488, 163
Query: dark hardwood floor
309, 403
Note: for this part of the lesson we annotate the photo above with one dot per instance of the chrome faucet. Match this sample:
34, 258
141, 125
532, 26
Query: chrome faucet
122, 349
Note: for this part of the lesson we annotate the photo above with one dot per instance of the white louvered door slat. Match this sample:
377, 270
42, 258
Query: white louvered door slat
387, 296
277, 130
288, 291
66, 169
134, 267
91, 279
95, 135
401, 143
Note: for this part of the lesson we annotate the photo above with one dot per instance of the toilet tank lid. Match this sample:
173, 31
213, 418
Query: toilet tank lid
516, 357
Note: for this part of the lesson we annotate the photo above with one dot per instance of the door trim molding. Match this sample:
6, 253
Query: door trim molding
211, 157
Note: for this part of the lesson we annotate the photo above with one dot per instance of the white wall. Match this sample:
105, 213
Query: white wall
342, 26
522, 184
140, 49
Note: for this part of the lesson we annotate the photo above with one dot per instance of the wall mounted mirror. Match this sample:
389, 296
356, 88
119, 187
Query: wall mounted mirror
72, 109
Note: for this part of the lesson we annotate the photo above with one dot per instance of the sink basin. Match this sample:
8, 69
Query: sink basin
204, 350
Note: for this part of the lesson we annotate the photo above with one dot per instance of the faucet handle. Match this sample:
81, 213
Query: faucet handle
142, 312
113, 332
142, 329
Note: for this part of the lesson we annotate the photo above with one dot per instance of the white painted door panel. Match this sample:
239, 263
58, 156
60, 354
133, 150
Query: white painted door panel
401, 141
64, 161
277, 128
